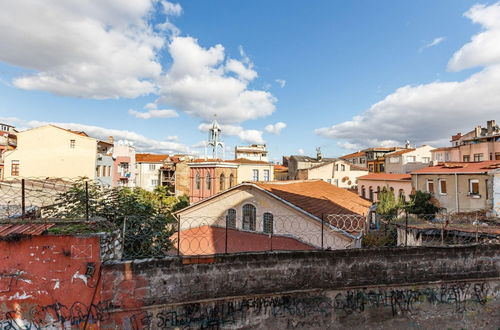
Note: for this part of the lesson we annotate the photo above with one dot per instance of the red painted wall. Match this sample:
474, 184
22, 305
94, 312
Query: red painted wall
43, 282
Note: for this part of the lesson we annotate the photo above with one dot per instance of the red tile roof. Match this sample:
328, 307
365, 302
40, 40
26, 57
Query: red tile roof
280, 168
317, 197
150, 158
25, 229
353, 155
207, 240
400, 152
460, 167
386, 177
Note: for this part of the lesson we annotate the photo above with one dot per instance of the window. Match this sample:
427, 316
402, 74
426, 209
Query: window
152, 167
478, 157
336, 182
355, 161
222, 182
371, 193
154, 182
497, 155
231, 218
208, 181
370, 167
336, 167
14, 169
411, 159
442, 186
72, 143
466, 158
249, 217
98, 170
231, 180
381, 168
474, 187
430, 186
266, 175
255, 175
329, 180
402, 197
342, 167
268, 223
363, 192
197, 181
426, 160
362, 161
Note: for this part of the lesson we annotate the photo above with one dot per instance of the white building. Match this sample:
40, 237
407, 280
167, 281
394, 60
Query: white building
257, 152
408, 160
147, 175
338, 172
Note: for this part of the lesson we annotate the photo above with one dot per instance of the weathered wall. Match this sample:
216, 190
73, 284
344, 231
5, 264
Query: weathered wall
314, 289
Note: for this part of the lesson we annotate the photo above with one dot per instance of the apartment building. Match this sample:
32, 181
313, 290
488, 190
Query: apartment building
338, 172
124, 169
147, 170
256, 152
408, 160
8, 141
356, 158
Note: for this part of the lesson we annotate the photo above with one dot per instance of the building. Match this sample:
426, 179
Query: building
480, 144
253, 170
299, 162
209, 177
338, 172
51, 151
356, 158
174, 174
280, 215
408, 160
370, 186
8, 141
148, 170
257, 152
375, 158
280, 172
124, 169
459, 186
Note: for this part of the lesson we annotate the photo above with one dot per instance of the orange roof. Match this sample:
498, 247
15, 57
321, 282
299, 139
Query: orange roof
400, 152
202, 160
150, 158
279, 167
385, 177
247, 161
353, 155
317, 197
460, 167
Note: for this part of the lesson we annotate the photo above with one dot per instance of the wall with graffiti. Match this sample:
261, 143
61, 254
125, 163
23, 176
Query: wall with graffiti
50, 281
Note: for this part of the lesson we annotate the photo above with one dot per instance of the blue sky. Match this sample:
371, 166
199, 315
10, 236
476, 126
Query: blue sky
335, 59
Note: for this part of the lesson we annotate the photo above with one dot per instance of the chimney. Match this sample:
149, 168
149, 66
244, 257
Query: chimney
111, 139
477, 131
407, 144
490, 124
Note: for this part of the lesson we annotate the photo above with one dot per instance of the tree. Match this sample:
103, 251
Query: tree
387, 205
422, 203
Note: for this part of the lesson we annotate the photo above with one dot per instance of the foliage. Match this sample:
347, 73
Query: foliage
387, 205
422, 203
385, 237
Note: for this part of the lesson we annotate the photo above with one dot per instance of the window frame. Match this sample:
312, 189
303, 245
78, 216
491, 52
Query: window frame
429, 182
268, 221
72, 144
471, 182
208, 181
440, 187
15, 167
222, 182
255, 174
267, 175
197, 181
249, 221
231, 218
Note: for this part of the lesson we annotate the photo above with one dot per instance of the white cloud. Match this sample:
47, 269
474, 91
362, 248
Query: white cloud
92, 49
301, 151
276, 128
249, 136
172, 138
197, 83
153, 114
281, 82
141, 142
170, 8
430, 113
433, 43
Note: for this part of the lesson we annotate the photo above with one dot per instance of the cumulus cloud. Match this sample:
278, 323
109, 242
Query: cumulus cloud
170, 8
281, 82
141, 142
246, 135
198, 83
433, 43
301, 151
91, 49
153, 114
276, 128
430, 113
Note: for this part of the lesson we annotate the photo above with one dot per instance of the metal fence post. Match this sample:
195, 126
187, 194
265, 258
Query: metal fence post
23, 198
322, 229
271, 238
225, 238
179, 236
87, 200
406, 229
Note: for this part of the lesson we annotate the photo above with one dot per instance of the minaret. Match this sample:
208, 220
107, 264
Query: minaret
214, 140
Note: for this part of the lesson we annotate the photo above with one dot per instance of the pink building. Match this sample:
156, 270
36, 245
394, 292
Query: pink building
369, 186
209, 177
124, 167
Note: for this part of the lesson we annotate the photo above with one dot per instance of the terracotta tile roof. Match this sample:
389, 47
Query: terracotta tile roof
460, 167
150, 158
400, 152
25, 229
247, 161
385, 177
317, 197
353, 155
278, 167
456, 137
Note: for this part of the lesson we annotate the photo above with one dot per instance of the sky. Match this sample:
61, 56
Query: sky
340, 75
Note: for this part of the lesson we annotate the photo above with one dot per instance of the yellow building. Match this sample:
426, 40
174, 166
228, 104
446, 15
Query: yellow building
51, 151
253, 170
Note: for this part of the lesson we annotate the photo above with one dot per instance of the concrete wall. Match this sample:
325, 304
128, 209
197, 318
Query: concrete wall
346, 178
396, 185
245, 172
144, 176
46, 152
435, 288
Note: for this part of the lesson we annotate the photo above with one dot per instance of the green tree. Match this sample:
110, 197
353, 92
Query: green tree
387, 205
422, 203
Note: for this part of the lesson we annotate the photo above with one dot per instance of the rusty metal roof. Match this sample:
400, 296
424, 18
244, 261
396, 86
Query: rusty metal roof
26, 229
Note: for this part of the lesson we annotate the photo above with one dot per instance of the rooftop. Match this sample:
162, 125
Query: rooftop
354, 155
247, 161
400, 152
460, 167
386, 177
150, 158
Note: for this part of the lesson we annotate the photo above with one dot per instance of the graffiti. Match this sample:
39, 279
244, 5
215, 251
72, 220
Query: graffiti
307, 311
54, 315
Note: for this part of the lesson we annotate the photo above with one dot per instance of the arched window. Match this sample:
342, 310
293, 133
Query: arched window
371, 193
249, 217
336, 167
231, 180
402, 197
222, 182
378, 192
197, 181
392, 191
208, 181
363, 191
268, 223
231, 218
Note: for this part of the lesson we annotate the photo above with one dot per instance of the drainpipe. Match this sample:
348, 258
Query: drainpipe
456, 192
